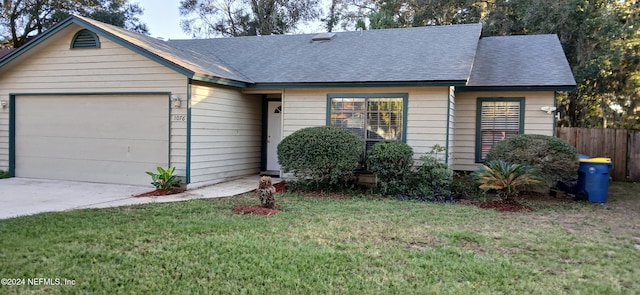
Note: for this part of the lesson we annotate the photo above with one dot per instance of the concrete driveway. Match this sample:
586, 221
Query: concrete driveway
25, 196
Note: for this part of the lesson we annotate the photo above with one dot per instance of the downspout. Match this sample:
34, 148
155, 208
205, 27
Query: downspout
12, 135
188, 160
555, 118
446, 149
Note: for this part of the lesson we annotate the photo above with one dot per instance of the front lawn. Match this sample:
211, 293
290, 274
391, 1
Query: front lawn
357, 245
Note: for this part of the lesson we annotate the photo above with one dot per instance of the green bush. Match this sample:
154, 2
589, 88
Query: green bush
4, 174
507, 179
464, 186
554, 158
391, 162
432, 179
325, 156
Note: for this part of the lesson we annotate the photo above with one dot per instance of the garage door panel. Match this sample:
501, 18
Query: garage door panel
102, 138
72, 118
67, 169
93, 149
88, 130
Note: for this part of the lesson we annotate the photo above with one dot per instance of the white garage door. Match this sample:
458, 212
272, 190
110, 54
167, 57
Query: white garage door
95, 138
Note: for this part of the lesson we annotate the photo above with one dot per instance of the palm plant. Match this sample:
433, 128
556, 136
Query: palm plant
507, 179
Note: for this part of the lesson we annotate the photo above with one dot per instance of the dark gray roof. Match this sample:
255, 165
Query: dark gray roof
442, 53
448, 55
528, 60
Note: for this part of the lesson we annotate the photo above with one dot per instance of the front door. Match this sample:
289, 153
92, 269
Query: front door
274, 134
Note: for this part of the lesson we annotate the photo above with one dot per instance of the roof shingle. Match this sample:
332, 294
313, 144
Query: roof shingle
443, 53
448, 55
527, 60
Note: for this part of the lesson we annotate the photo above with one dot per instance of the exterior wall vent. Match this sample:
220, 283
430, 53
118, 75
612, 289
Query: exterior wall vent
323, 37
85, 39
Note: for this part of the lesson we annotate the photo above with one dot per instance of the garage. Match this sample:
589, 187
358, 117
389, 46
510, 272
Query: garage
95, 138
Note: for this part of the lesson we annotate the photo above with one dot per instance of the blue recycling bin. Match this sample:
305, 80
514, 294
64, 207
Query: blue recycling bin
593, 178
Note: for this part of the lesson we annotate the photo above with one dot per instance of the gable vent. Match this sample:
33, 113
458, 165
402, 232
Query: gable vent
323, 37
85, 39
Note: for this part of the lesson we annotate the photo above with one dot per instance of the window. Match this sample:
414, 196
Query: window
374, 117
85, 39
497, 119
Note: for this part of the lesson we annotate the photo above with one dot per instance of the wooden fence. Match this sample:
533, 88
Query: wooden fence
621, 145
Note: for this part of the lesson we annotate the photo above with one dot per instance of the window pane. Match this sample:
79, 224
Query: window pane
384, 119
499, 120
349, 113
373, 118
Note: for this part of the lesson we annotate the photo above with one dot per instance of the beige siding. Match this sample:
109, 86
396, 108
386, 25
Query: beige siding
52, 67
535, 121
226, 130
426, 112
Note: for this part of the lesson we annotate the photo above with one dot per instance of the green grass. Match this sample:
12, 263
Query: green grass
331, 246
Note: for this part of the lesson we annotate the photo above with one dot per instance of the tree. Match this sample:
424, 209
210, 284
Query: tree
574, 21
379, 14
24, 19
206, 18
122, 14
601, 39
602, 42
445, 12
349, 14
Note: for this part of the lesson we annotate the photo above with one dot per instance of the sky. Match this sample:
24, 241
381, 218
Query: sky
163, 20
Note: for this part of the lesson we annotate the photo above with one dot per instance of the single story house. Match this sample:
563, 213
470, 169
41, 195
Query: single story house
88, 101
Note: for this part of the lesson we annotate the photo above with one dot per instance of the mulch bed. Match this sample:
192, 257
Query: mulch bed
515, 206
255, 210
281, 187
161, 192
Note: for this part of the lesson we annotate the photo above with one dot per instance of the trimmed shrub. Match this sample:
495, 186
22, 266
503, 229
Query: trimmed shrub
324, 156
554, 158
432, 179
391, 162
4, 174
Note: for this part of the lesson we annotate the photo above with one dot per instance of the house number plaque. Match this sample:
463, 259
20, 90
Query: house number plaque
179, 118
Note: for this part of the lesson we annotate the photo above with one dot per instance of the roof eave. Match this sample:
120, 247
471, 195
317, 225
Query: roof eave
357, 84
122, 42
34, 42
75, 20
219, 81
517, 88
135, 48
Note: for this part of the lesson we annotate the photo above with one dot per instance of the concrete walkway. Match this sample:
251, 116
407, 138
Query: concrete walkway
23, 196
224, 189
